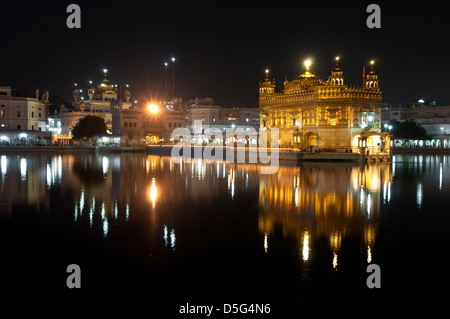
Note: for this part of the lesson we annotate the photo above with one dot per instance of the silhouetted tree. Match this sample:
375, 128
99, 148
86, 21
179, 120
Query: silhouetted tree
408, 129
88, 127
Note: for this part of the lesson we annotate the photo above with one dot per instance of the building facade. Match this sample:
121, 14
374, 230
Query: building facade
227, 120
23, 120
312, 114
137, 126
434, 119
22, 113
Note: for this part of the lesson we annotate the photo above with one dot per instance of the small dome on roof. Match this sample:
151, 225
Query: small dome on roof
207, 101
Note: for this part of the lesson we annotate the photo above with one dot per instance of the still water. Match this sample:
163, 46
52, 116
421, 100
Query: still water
144, 228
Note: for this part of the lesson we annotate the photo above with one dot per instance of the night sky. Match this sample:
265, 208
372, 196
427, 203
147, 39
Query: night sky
222, 48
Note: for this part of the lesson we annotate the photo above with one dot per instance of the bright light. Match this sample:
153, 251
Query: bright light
370, 118
153, 192
390, 127
90, 82
337, 58
165, 63
152, 108
307, 63
305, 248
421, 101
267, 71
105, 71
385, 125
173, 59
372, 62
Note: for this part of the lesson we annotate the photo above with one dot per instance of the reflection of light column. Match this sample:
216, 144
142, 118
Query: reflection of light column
4, 165
369, 255
335, 245
153, 192
165, 235
172, 239
105, 164
105, 221
419, 195
23, 169
91, 212
266, 244
305, 250
81, 201
335, 260
393, 165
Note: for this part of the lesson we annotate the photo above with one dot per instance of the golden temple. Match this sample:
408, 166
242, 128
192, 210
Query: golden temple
311, 114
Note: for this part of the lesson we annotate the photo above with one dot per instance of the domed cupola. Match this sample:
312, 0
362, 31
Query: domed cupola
337, 75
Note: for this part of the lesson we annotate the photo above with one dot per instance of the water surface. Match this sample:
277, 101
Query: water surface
154, 234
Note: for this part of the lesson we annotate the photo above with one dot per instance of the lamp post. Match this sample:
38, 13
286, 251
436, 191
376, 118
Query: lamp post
173, 79
165, 66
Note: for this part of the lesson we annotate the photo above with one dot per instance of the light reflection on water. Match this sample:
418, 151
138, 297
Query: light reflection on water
155, 201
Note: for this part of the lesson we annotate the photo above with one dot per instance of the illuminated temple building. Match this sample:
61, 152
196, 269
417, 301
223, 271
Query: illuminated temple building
313, 114
101, 100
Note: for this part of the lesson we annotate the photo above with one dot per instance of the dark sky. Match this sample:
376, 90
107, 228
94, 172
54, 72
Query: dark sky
223, 47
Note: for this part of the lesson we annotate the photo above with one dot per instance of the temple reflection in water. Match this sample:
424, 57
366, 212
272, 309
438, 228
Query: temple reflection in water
332, 201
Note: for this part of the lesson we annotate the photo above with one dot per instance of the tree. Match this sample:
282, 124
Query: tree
408, 129
88, 127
